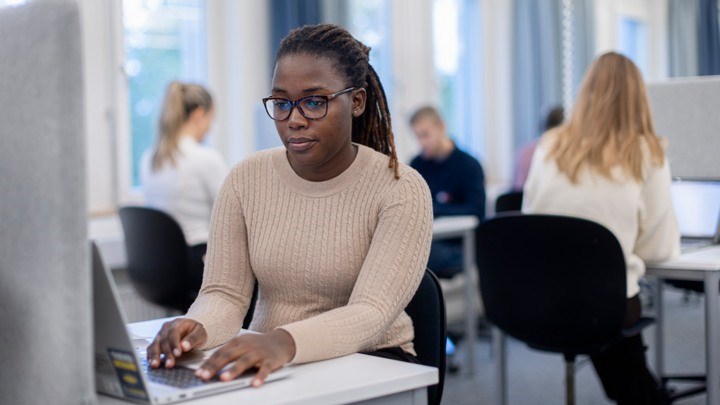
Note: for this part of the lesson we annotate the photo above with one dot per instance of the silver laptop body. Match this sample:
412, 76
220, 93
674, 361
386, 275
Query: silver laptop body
697, 208
120, 366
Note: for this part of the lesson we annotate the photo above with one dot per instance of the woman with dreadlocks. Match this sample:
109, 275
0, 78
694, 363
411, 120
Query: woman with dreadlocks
334, 230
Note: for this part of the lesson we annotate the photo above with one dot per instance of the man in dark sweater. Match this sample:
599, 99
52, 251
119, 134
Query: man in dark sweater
456, 182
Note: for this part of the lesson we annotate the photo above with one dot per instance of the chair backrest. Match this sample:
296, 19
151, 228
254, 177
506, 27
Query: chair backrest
158, 257
427, 311
511, 201
556, 283
251, 308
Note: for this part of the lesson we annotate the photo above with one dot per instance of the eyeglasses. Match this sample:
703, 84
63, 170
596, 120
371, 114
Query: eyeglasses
311, 107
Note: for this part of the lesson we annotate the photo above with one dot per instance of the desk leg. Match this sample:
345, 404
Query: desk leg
420, 396
500, 354
470, 293
712, 336
659, 327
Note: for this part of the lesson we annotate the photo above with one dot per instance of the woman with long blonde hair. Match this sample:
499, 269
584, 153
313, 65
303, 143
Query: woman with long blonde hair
606, 164
179, 174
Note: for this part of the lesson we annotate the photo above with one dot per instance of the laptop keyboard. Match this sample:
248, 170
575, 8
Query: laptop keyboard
690, 245
180, 377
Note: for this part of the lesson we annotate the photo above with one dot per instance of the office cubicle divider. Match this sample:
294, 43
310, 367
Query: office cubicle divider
685, 111
45, 306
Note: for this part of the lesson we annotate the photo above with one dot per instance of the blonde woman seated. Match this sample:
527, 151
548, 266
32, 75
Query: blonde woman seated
179, 174
606, 164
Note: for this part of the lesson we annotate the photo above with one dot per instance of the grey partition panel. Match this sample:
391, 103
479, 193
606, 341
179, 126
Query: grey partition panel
687, 112
45, 309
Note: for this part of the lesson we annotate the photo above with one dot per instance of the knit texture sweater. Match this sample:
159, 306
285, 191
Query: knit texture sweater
336, 261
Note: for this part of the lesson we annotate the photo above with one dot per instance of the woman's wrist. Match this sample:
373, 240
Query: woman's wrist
285, 342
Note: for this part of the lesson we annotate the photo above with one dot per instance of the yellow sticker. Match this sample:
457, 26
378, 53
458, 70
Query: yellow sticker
124, 365
128, 374
130, 379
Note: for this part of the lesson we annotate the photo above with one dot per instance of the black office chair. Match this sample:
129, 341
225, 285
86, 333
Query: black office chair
251, 308
511, 201
427, 311
555, 283
158, 258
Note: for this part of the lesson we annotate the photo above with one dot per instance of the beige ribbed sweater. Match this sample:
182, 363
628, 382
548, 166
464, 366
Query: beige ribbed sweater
336, 261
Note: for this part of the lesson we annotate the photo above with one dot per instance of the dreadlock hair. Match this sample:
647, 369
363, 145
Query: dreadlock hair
351, 57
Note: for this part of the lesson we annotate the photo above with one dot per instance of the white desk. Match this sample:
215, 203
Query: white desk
464, 227
701, 265
356, 378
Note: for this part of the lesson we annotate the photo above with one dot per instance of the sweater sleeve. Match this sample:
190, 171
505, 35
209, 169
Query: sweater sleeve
658, 237
388, 279
228, 279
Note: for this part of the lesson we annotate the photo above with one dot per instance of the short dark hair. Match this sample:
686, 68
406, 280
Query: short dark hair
425, 112
555, 118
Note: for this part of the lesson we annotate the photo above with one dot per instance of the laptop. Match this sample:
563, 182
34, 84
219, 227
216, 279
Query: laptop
697, 208
121, 368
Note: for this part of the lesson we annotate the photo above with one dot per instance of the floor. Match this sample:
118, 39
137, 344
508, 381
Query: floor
538, 378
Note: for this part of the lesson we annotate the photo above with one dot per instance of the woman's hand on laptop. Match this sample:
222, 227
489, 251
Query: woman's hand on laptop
265, 351
175, 338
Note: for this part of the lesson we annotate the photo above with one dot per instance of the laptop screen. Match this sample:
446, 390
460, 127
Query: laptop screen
697, 207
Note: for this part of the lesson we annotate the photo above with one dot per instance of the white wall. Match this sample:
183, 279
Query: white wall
95, 18
658, 36
652, 12
239, 71
414, 83
497, 36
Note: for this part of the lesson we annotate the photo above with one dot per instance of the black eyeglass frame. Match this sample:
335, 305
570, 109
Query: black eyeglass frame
296, 103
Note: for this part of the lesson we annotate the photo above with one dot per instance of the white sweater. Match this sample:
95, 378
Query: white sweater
639, 214
188, 189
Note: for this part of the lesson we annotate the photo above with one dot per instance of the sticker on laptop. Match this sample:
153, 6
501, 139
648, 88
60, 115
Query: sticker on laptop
128, 373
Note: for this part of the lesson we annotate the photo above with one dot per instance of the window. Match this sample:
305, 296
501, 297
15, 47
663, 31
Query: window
633, 41
369, 21
456, 47
11, 2
164, 40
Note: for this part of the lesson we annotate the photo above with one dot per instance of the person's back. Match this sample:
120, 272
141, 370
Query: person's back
179, 175
456, 183
639, 213
607, 165
188, 189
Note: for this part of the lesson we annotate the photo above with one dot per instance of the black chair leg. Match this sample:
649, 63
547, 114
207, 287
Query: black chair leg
570, 381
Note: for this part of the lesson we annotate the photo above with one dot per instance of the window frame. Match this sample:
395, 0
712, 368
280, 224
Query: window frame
122, 136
